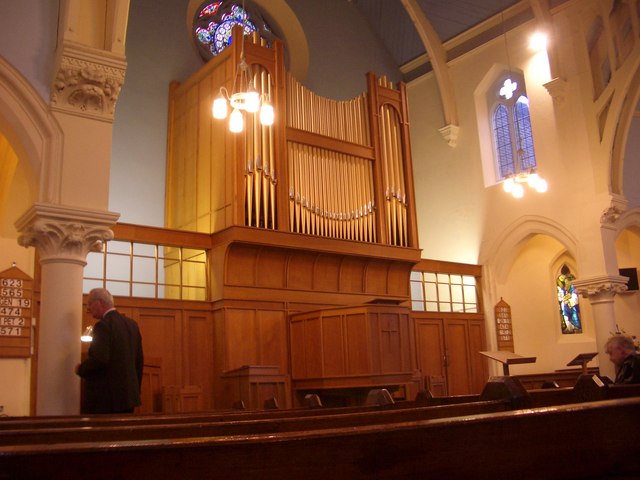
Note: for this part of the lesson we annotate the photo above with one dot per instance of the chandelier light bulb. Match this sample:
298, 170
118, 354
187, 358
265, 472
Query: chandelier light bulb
541, 186
518, 190
266, 114
236, 122
508, 185
252, 101
219, 109
533, 179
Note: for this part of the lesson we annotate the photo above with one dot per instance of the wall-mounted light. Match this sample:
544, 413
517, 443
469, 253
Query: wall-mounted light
87, 335
538, 41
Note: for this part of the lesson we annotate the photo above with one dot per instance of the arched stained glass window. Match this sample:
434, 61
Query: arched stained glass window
512, 134
214, 21
524, 136
502, 135
568, 301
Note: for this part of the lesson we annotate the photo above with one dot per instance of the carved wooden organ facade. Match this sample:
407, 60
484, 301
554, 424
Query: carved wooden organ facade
316, 211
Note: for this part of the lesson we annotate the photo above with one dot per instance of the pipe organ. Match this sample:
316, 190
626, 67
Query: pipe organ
328, 168
315, 211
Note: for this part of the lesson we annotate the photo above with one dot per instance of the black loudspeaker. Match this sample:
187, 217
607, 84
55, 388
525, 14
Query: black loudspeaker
632, 273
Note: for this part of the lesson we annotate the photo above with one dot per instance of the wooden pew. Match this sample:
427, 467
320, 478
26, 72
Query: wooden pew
177, 428
576, 441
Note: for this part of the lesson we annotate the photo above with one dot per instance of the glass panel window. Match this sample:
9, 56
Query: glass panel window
148, 270
443, 292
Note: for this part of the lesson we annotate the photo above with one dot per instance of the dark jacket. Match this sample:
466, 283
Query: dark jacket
629, 371
113, 368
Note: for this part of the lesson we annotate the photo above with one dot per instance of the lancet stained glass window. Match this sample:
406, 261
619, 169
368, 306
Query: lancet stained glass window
568, 302
512, 134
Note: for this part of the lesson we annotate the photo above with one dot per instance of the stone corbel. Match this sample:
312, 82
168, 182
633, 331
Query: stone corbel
450, 134
87, 82
601, 289
64, 234
557, 88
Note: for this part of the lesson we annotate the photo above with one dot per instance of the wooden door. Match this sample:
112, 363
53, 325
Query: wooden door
431, 355
477, 344
448, 354
458, 360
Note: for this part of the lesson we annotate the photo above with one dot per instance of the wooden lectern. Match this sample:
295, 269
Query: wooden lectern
508, 358
582, 359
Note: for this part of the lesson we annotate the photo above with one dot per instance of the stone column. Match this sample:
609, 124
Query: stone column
62, 236
600, 291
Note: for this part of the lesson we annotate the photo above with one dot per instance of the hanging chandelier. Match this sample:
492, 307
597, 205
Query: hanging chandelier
244, 97
514, 183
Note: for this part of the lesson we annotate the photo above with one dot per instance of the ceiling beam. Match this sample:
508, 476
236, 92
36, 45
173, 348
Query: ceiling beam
438, 58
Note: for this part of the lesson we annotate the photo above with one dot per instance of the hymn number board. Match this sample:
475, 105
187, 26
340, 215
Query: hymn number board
504, 329
16, 307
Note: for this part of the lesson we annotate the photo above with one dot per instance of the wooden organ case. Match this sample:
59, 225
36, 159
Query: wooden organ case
314, 212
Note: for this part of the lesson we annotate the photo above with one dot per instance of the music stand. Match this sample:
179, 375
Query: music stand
582, 359
508, 358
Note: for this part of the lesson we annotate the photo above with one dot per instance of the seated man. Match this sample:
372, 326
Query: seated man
624, 356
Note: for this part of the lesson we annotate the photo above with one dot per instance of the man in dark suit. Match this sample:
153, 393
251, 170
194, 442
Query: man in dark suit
113, 368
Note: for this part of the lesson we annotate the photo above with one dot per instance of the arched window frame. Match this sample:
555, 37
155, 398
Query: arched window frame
510, 122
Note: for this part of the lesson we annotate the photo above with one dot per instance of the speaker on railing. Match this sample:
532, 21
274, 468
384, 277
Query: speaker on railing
632, 273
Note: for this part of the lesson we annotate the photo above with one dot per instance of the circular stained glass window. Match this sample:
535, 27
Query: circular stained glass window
214, 22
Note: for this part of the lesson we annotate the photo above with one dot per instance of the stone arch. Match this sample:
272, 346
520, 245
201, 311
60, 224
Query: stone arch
506, 248
32, 131
621, 135
629, 220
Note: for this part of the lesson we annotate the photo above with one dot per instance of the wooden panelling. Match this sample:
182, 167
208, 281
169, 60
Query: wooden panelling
198, 353
397, 284
273, 342
271, 268
299, 269
333, 347
240, 265
360, 342
240, 330
326, 273
377, 274
353, 348
161, 336
352, 275
315, 351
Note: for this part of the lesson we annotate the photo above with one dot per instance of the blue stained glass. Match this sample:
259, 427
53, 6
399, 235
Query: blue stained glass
524, 134
502, 136
568, 302
217, 35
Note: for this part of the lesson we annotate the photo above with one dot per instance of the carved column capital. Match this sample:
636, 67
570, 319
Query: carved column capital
601, 289
87, 82
64, 234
